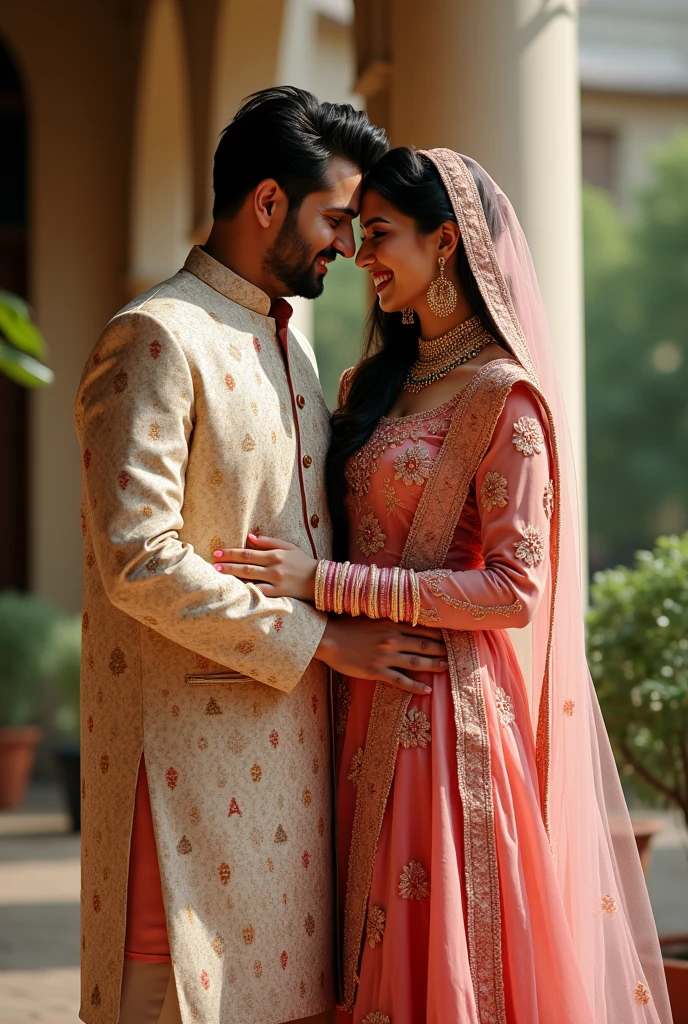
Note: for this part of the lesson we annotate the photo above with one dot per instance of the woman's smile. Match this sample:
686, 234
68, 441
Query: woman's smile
382, 279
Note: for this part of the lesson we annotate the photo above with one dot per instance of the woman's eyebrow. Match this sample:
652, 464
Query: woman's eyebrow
376, 220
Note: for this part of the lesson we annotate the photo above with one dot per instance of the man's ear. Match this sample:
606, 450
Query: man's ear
448, 238
270, 202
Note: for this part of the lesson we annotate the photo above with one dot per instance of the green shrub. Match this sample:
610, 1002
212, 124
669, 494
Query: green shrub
26, 625
63, 669
638, 654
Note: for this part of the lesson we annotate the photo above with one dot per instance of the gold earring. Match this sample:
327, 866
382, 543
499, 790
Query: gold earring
442, 297
407, 316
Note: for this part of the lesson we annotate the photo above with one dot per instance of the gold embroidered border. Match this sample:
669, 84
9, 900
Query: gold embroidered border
483, 905
432, 578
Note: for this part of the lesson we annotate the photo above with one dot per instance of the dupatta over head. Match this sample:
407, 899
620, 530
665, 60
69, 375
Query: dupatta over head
583, 806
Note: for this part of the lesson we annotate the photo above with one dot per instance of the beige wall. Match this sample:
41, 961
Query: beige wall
76, 61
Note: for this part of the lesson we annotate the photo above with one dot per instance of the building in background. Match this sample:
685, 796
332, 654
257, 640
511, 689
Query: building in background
121, 105
634, 88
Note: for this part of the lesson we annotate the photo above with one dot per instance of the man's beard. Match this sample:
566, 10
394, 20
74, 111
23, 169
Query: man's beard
291, 261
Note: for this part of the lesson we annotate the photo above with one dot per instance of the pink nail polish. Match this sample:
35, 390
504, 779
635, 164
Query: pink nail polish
219, 568
217, 554
427, 689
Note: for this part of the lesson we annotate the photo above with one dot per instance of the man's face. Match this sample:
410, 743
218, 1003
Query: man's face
313, 236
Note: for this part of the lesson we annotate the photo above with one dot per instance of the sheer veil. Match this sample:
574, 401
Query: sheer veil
584, 810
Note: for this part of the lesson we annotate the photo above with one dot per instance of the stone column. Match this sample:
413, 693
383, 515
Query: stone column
499, 81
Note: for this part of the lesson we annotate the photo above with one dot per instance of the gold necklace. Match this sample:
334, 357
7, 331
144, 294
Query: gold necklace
438, 357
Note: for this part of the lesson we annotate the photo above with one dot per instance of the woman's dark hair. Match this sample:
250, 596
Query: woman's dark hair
412, 184
285, 133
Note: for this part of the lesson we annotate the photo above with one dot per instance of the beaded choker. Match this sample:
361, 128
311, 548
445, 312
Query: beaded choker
438, 357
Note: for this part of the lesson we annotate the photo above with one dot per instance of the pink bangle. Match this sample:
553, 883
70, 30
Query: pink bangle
329, 586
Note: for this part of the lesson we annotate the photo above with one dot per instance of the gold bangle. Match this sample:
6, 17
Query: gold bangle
373, 581
394, 610
402, 595
415, 593
339, 584
320, 574
356, 590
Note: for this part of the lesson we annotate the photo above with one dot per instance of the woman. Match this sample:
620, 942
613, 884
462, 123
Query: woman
487, 868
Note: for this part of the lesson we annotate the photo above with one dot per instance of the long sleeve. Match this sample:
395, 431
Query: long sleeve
137, 412
515, 500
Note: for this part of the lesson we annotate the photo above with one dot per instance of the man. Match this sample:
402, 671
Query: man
206, 747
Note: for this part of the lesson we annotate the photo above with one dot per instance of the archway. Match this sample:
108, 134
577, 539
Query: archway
14, 401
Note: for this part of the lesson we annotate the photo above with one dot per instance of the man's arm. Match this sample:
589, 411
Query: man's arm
137, 416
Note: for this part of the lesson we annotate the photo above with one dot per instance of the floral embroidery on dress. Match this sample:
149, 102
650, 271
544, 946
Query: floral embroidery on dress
392, 502
414, 466
343, 703
641, 994
433, 579
608, 904
375, 928
568, 707
493, 492
531, 548
429, 616
505, 707
376, 1018
355, 767
413, 882
389, 433
370, 536
528, 436
415, 729
548, 499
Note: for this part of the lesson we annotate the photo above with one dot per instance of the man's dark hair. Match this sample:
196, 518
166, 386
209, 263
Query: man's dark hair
287, 134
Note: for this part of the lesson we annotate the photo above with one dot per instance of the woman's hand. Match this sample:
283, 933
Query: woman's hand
277, 568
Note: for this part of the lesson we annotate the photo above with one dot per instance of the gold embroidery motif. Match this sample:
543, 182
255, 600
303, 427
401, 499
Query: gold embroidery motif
493, 492
218, 946
641, 994
415, 729
433, 578
414, 466
375, 928
370, 536
248, 444
548, 499
608, 904
354, 773
528, 437
531, 548
154, 431
505, 707
413, 882
376, 1018
429, 616
392, 502
568, 707
342, 703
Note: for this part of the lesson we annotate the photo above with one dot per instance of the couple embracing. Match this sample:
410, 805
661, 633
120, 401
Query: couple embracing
276, 599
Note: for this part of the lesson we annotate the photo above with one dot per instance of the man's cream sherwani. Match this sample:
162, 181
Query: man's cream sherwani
194, 430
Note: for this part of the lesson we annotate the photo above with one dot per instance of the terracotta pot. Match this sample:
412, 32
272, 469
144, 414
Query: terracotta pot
675, 950
17, 754
643, 830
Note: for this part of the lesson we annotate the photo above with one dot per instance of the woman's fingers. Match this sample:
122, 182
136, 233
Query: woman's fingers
396, 678
419, 663
431, 648
257, 541
246, 555
246, 572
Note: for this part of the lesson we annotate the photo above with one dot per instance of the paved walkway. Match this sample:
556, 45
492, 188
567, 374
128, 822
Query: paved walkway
39, 908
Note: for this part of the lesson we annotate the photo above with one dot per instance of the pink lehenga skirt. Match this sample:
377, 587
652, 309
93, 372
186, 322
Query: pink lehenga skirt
416, 966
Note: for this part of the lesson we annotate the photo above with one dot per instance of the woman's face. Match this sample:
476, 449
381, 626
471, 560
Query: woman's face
402, 261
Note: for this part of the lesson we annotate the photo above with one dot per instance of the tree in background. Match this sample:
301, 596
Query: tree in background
636, 314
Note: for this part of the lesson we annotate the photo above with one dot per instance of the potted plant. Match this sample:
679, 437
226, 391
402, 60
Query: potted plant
22, 346
25, 629
638, 654
63, 666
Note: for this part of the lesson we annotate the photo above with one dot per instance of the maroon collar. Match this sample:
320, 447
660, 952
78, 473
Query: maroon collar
281, 311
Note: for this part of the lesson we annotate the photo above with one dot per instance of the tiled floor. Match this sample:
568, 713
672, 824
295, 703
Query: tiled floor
39, 908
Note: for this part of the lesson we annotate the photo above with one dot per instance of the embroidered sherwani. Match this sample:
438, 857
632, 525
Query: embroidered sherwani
198, 423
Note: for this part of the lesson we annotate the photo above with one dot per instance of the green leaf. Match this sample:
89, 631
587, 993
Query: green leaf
23, 368
17, 327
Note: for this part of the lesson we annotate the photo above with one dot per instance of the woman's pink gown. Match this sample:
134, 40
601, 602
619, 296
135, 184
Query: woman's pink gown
415, 962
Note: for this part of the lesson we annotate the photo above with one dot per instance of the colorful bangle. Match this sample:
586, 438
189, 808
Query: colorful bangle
415, 597
404, 602
360, 577
394, 611
371, 608
329, 585
339, 584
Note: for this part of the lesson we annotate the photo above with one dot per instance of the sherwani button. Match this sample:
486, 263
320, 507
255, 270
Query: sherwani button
300, 401
307, 461
315, 520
